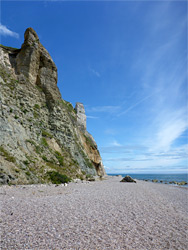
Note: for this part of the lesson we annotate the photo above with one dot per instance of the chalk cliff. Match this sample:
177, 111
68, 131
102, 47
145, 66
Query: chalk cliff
41, 134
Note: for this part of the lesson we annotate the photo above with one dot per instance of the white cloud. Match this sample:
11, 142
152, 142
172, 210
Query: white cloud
169, 133
168, 126
157, 107
4, 31
115, 147
155, 164
92, 117
116, 144
142, 159
163, 71
106, 167
95, 72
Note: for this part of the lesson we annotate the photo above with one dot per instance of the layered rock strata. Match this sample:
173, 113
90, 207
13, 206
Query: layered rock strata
40, 132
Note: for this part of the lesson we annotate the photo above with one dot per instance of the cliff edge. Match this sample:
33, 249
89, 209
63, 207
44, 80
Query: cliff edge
42, 136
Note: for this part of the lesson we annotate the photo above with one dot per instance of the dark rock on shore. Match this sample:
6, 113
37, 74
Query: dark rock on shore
127, 178
172, 182
182, 183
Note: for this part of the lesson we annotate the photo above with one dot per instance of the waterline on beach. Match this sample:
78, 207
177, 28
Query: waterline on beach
161, 178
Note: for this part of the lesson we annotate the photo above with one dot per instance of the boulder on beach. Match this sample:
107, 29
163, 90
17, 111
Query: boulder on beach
127, 178
155, 180
182, 183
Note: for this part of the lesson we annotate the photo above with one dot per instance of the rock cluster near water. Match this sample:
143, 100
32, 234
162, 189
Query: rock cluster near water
181, 183
42, 135
127, 178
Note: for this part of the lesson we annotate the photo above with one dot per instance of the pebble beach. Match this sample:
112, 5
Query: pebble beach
96, 215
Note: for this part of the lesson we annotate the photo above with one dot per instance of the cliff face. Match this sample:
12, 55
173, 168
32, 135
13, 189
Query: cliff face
40, 132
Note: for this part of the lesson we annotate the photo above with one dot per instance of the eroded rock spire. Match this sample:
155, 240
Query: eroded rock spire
35, 64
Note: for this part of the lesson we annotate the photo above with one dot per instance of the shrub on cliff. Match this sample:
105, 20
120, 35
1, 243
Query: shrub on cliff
57, 178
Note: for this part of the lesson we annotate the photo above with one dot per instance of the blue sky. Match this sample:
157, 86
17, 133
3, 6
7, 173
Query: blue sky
126, 61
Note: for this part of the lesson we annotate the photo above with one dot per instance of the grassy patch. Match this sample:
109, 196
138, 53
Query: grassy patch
36, 106
26, 162
30, 141
39, 88
45, 158
89, 141
30, 159
7, 156
88, 162
83, 172
68, 106
86, 159
38, 149
60, 158
89, 176
9, 48
35, 114
24, 111
44, 142
57, 178
70, 110
46, 134
28, 173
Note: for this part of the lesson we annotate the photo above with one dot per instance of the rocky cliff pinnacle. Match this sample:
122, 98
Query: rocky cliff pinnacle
34, 64
42, 135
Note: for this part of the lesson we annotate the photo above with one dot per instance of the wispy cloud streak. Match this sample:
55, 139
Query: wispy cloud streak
95, 72
136, 104
4, 31
104, 109
92, 117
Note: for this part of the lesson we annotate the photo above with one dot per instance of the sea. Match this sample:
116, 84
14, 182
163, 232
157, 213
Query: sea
165, 178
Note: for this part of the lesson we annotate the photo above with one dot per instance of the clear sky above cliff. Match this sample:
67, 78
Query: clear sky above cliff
126, 62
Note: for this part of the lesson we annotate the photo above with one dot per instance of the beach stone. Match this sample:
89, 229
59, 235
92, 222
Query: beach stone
155, 180
182, 183
172, 182
127, 178
4, 179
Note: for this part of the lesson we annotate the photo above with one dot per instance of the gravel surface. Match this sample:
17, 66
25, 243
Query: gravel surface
94, 216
